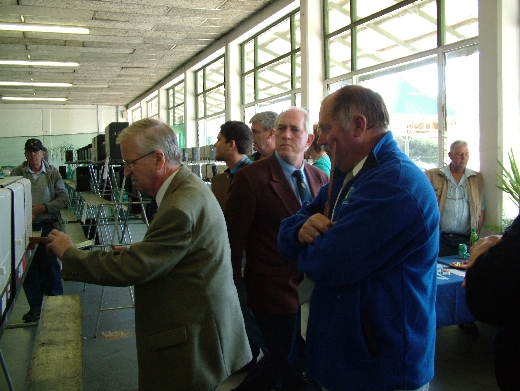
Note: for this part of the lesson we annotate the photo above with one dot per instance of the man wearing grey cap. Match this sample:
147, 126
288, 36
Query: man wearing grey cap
49, 196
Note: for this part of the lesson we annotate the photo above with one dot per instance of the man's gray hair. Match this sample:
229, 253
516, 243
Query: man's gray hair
456, 144
153, 135
266, 118
306, 121
352, 99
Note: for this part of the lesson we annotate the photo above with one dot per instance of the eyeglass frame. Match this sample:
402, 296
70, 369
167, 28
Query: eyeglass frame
130, 164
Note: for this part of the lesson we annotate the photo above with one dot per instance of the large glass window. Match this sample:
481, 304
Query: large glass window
211, 103
462, 102
271, 67
410, 93
137, 114
399, 49
153, 107
176, 112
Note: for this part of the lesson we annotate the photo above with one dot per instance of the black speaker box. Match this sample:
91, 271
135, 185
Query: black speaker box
63, 171
113, 151
98, 148
69, 155
82, 178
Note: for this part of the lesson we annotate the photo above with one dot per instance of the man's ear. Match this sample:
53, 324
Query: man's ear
359, 124
270, 133
160, 159
310, 139
232, 144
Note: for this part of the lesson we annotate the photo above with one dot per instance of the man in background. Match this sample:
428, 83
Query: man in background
49, 196
371, 323
260, 197
460, 196
189, 329
262, 126
233, 143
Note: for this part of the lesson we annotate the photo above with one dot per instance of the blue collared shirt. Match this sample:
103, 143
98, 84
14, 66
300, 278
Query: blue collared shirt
288, 170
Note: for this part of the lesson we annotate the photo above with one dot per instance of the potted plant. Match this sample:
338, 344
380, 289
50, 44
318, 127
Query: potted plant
510, 180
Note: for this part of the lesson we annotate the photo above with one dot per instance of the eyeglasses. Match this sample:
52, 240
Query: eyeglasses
461, 154
130, 164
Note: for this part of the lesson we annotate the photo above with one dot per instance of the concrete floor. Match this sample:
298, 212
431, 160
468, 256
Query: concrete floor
462, 363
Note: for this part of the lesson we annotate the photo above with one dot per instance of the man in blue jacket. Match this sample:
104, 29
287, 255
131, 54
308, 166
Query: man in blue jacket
372, 311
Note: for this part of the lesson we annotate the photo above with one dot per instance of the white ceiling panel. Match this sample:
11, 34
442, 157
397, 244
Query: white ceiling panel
132, 45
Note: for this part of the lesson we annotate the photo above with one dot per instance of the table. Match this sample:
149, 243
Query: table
450, 306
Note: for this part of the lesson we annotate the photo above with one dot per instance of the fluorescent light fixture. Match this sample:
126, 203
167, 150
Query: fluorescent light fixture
39, 63
33, 98
33, 84
43, 28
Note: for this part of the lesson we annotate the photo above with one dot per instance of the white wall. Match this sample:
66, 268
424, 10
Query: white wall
499, 44
21, 121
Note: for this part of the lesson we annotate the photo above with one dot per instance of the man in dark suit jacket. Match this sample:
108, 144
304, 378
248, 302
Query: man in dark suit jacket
189, 329
260, 196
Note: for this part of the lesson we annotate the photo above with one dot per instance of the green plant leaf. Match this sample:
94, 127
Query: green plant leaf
510, 180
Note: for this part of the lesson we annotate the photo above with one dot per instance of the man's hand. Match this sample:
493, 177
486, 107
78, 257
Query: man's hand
482, 245
58, 242
315, 225
38, 209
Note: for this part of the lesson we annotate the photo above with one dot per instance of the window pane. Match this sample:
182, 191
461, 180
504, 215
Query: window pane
461, 20
171, 119
297, 35
179, 93
153, 107
249, 52
215, 73
274, 42
339, 14
200, 81
248, 113
367, 8
298, 71
215, 101
462, 103
136, 114
179, 114
277, 105
411, 99
339, 58
170, 97
200, 106
298, 98
401, 33
249, 88
212, 129
274, 79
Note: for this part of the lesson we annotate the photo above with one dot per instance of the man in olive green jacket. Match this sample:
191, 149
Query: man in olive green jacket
189, 328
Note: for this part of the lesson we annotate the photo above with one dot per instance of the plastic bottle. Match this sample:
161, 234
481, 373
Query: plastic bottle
473, 237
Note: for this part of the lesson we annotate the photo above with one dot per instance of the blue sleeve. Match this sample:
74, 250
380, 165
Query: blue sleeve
376, 226
288, 244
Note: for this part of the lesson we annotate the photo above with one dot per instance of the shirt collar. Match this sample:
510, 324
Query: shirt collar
43, 170
287, 168
239, 164
162, 190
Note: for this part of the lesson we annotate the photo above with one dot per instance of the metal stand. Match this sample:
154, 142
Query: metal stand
6, 372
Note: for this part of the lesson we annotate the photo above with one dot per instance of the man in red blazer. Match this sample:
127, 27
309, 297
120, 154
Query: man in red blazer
260, 197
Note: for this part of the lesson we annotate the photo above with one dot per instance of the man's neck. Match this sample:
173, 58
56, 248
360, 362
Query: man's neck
457, 172
233, 160
36, 169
